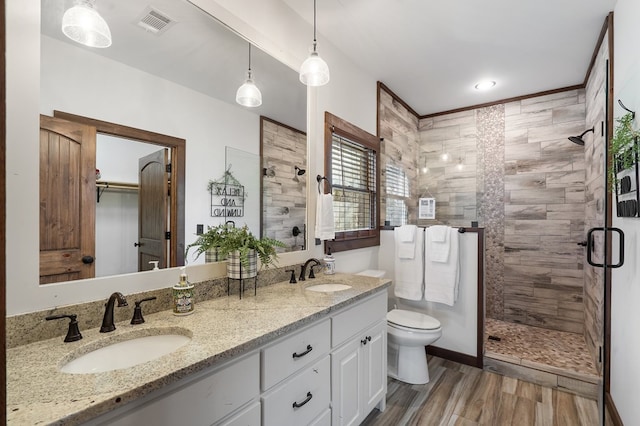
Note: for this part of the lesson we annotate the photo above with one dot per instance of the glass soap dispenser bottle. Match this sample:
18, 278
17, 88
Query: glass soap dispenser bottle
183, 303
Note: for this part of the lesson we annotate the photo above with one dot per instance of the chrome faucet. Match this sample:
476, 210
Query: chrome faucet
303, 269
107, 320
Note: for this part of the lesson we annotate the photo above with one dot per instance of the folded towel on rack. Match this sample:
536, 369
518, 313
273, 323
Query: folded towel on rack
442, 278
409, 272
325, 225
406, 233
438, 242
405, 241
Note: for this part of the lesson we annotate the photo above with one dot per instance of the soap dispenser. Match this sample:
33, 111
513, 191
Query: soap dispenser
183, 303
329, 263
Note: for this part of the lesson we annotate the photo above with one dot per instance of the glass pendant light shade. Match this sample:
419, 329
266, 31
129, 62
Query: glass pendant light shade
248, 94
314, 70
83, 24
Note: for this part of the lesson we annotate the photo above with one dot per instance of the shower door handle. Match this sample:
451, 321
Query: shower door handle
590, 247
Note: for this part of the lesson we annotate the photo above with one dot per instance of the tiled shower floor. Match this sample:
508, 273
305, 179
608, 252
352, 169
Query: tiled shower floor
525, 344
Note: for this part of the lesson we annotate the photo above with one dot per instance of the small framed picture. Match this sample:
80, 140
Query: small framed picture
427, 208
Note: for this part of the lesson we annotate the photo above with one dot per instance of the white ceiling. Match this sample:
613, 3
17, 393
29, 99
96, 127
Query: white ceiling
432, 53
429, 53
196, 52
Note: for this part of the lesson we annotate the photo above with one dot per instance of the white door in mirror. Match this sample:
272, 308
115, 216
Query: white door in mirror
125, 354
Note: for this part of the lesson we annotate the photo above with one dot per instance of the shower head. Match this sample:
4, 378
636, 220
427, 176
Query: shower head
578, 139
300, 171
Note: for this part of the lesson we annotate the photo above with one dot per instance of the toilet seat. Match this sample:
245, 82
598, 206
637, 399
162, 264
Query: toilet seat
411, 320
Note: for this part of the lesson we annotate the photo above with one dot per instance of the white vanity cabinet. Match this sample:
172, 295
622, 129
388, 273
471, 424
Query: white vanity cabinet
330, 372
358, 362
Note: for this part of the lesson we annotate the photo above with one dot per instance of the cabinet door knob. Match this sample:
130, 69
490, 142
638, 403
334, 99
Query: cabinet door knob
300, 355
298, 405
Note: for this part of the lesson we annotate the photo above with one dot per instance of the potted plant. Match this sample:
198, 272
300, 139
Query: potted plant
625, 148
208, 244
243, 249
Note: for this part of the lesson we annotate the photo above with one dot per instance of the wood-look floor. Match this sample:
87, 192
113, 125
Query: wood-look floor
463, 396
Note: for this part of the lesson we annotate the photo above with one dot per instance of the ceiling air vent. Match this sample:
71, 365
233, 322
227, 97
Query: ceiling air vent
154, 21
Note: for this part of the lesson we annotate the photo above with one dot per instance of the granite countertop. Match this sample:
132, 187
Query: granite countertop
220, 329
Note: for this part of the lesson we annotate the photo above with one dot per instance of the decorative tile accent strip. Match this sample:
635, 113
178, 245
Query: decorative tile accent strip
491, 124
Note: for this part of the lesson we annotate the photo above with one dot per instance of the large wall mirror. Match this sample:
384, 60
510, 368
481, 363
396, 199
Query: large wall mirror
172, 70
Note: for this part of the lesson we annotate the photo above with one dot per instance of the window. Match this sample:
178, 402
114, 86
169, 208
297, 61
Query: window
397, 195
351, 165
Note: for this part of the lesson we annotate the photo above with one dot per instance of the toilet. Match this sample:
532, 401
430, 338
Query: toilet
408, 332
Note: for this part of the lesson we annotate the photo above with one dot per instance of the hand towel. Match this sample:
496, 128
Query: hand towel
325, 226
409, 272
404, 237
438, 243
442, 278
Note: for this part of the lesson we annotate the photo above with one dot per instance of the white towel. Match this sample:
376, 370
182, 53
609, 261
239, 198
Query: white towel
441, 279
409, 272
438, 243
325, 225
404, 237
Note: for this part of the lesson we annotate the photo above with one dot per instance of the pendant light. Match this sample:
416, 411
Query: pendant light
83, 24
314, 70
248, 94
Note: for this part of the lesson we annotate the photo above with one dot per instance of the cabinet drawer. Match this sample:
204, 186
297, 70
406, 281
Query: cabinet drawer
250, 416
289, 355
203, 401
309, 390
349, 322
323, 419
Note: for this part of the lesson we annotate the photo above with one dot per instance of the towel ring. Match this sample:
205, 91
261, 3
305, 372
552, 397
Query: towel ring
320, 179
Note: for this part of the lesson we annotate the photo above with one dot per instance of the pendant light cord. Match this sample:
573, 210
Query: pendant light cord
314, 25
249, 57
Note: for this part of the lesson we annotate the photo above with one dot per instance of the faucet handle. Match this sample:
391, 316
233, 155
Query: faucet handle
311, 273
292, 279
73, 334
137, 310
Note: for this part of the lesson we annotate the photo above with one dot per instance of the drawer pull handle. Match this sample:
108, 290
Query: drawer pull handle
297, 355
365, 340
309, 396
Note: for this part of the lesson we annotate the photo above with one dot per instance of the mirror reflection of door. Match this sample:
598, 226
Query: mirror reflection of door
152, 211
67, 203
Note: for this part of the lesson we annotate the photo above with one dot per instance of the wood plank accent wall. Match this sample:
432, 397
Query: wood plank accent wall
523, 181
283, 200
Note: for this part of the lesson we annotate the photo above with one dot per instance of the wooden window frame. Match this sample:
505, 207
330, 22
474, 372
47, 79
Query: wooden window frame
351, 240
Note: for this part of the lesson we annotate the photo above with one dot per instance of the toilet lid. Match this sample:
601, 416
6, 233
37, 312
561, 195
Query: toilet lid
412, 319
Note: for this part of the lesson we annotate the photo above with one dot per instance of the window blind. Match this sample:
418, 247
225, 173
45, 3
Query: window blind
353, 172
397, 186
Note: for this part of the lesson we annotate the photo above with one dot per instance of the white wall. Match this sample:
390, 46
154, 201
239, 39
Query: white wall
460, 321
351, 94
625, 287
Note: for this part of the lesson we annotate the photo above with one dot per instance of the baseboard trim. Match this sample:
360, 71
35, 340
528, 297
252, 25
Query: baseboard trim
454, 356
610, 407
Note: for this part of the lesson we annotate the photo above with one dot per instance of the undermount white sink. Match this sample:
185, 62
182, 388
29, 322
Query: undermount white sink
125, 354
328, 288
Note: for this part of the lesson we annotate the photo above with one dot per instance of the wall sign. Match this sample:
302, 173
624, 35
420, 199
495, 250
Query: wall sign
427, 208
227, 200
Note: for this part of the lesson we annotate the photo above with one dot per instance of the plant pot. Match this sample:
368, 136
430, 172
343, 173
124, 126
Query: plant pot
235, 269
213, 255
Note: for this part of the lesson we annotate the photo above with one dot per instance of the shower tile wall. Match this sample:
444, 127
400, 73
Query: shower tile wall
544, 211
524, 182
594, 198
399, 128
284, 200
